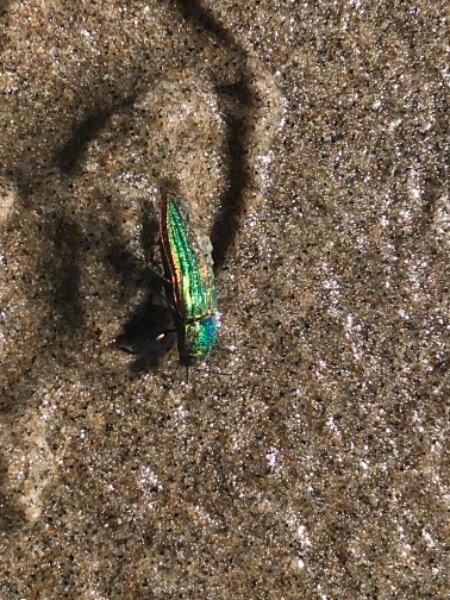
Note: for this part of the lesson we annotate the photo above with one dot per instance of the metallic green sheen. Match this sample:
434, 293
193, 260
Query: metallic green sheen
190, 272
199, 338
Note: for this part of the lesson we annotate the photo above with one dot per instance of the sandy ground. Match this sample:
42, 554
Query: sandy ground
309, 457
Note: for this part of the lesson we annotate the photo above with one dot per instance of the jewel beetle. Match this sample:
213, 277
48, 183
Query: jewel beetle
189, 281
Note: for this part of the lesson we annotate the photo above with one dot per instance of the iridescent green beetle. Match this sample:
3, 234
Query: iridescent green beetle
188, 268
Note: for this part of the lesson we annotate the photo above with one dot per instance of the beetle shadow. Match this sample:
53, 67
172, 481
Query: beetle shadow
150, 331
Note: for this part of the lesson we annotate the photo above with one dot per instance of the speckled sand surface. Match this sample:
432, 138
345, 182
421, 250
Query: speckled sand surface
310, 458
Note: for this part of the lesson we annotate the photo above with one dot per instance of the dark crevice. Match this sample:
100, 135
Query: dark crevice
66, 238
67, 157
235, 100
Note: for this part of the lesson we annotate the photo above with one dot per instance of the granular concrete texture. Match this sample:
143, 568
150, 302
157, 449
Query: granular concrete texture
309, 457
